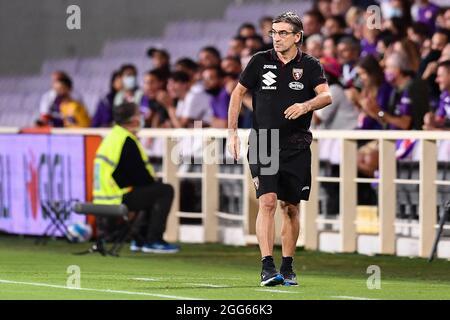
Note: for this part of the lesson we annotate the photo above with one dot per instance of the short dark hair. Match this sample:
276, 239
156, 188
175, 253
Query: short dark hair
180, 76
159, 73
152, 51
292, 18
239, 38
339, 20
246, 25
421, 29
213, 50
124, 112
187, 63
351, 41
445, 64
218, 71
128, 66
66, 81
316, 14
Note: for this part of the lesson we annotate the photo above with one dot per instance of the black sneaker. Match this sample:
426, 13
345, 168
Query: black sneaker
290, 278
271, 278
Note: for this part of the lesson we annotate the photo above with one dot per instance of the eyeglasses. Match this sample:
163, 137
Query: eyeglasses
283, 33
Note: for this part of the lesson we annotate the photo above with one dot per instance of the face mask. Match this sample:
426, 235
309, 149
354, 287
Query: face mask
129, 82
394, 13
389, 77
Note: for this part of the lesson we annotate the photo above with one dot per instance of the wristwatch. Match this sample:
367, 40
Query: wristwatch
381, 114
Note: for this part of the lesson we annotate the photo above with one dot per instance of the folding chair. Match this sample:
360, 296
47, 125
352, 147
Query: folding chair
58, 212
109, 211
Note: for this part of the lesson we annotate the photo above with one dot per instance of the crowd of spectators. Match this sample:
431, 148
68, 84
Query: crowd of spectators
385, 72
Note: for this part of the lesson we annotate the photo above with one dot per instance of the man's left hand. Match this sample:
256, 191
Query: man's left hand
297, 110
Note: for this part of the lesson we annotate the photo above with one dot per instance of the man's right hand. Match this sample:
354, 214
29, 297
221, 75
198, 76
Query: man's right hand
234, 144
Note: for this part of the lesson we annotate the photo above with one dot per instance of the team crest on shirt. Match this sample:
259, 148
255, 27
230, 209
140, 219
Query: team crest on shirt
297, 73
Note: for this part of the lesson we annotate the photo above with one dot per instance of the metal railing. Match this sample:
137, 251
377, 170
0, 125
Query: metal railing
387, 181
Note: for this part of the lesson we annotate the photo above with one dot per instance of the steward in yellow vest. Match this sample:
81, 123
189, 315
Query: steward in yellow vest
123, 174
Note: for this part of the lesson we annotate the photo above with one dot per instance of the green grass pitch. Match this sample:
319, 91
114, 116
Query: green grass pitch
208, 271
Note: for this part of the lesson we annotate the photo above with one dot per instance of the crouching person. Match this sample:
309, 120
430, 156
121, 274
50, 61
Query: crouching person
123, 174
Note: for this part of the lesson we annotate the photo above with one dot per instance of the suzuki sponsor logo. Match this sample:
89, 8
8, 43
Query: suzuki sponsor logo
269, 80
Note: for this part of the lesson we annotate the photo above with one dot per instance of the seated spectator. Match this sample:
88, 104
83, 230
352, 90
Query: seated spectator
154, 99
232, 68
48, 98
324, 7
312, 23
209, 57
425, 12
411, 51
160, 60
189, 66
235, 46
330, 47
348, 51
370, 88
254, 44
192, 105
104, 113
428, 65
213, 80
408, 102
314, 45
65, 112
440, 120
340, 7
418, 32
265, 25
342, 113
246, 30
334, 25
130, 91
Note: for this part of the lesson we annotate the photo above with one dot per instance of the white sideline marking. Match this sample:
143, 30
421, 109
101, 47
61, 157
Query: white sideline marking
352, 298
146, 279
275, 291
36, 284
207, 285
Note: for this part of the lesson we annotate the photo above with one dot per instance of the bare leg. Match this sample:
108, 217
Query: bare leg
290, 228
265, 223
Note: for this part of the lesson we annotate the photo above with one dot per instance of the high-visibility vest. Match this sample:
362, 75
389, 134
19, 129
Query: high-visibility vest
106, 190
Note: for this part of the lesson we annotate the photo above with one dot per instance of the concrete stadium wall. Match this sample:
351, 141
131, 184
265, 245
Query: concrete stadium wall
32, 31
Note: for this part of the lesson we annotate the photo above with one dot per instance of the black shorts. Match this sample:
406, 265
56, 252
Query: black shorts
292, 181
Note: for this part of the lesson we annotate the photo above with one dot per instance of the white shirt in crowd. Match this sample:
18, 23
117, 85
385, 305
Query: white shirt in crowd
195, 106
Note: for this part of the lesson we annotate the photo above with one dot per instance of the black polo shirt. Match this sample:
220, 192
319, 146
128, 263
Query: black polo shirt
275, 86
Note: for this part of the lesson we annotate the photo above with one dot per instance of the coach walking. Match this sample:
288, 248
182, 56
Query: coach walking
287, 85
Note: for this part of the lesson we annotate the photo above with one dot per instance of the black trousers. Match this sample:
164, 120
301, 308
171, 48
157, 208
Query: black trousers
152, 204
